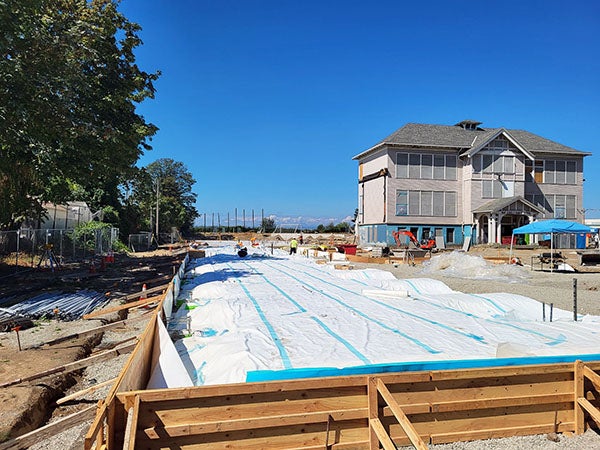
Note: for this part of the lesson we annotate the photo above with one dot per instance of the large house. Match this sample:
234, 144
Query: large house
465, 181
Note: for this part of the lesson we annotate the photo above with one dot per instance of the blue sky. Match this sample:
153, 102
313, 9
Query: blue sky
266, 102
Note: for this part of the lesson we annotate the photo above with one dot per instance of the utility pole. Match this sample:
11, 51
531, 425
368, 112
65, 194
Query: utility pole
157, 194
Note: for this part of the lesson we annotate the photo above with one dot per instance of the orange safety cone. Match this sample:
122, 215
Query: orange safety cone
143, 296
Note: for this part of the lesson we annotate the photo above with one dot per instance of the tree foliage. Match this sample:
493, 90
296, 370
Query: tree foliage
342, 227
69, 86
268, 225
174, 184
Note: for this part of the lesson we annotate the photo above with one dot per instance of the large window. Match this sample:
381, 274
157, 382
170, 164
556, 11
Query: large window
489, 163
425, 166
560, 172
491, 189
552, 171
556, 206
425, 203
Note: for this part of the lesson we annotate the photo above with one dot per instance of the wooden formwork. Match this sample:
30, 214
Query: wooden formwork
344, 412
134, 375
362, 411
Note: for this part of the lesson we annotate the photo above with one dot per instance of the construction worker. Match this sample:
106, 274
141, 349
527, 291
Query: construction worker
293, 246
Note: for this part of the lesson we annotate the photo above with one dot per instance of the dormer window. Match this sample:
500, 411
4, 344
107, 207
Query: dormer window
469, 125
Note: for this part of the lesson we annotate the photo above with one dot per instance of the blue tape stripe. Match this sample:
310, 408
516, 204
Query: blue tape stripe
285, 294
433, 322
282, 352
329, 273
363, 315
317, 372
553, 340
349, 346
402, 311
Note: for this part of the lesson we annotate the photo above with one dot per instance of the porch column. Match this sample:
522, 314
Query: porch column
534, 236
499, 228
491, 229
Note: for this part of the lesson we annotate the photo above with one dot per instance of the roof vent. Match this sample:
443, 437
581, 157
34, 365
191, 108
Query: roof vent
469, 125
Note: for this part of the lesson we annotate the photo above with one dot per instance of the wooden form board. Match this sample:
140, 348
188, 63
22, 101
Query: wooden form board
441, 406
133, 376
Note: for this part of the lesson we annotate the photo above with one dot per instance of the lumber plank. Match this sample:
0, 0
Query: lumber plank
592, 376
534, 369
464, 405
492, 433
407, 426
96, 431
35, 436
96, 330
373, 411
385, 440
591, 409
131, 428
213, 426
83, 392
66, 368
228, 390
295, 436
148, 291
173, 413
113, 309
578, 393
464, 421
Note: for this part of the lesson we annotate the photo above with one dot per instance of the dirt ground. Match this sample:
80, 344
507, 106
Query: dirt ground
26, 406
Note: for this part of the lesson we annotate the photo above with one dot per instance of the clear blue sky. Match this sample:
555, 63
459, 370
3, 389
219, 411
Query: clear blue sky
266, 102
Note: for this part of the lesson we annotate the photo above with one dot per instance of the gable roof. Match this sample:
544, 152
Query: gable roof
459, 138
501, 203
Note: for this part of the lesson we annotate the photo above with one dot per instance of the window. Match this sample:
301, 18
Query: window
426, 166
488, 163
426, 203
450, 235
401, 165
414, 168
556, 206
556, 172
491, 189
401, 203
414, 203
539, 171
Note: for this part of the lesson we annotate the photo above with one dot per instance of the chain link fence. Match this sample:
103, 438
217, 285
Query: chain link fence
34, 247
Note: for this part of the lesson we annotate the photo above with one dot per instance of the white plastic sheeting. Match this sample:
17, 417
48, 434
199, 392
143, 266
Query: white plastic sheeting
276, 312
168, 370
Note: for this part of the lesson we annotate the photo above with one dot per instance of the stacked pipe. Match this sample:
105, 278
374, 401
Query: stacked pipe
59, 305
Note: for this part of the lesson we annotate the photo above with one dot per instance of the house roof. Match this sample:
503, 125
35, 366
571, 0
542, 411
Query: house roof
460, 138
501, 203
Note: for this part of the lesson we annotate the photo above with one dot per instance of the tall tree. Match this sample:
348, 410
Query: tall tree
170, 183
69, 86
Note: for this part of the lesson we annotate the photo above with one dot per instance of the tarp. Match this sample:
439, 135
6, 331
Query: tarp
552, 226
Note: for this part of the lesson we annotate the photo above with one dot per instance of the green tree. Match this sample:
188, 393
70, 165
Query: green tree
171, 183
69, 86
268, 225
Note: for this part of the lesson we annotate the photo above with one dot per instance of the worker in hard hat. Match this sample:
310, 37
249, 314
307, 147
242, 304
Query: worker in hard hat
293, 246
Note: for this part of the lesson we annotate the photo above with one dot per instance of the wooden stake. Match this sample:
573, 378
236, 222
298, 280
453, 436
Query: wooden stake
74, 366
82, 392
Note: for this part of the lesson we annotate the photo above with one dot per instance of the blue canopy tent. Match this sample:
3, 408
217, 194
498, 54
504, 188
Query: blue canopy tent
551, 227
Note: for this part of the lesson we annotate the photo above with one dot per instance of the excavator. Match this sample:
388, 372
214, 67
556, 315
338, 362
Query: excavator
425, 244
